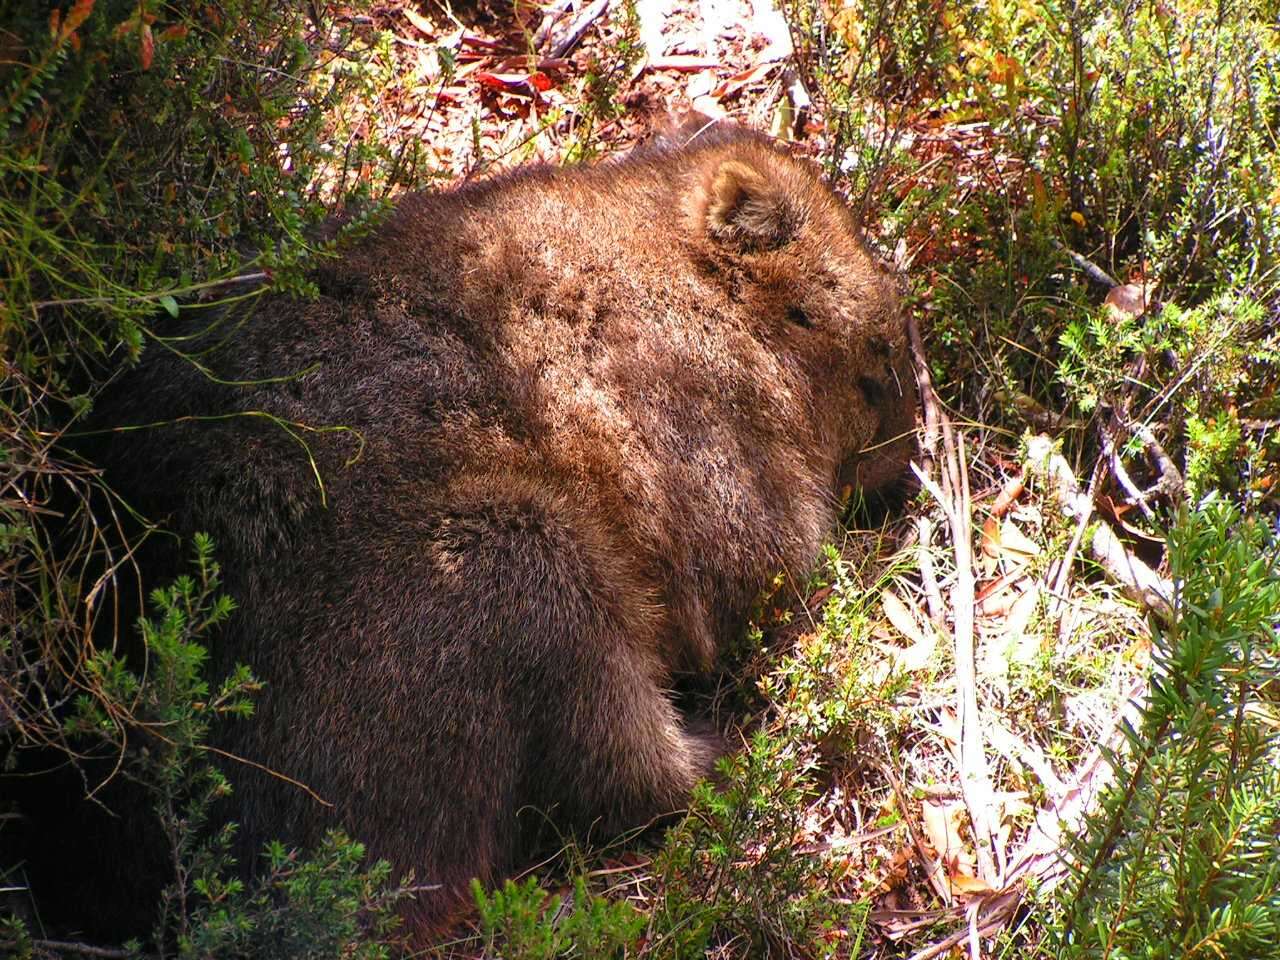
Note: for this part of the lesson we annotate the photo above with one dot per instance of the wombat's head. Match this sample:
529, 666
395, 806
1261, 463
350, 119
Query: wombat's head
791, 254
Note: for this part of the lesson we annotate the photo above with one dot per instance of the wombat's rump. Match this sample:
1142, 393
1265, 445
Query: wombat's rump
585, 415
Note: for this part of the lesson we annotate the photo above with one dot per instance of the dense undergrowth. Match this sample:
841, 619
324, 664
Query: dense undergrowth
1086, 198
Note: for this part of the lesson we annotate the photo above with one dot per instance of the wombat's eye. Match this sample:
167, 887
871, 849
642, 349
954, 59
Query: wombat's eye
872, 390
798, 317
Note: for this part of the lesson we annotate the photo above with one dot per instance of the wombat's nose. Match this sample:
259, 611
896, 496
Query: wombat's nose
883, 462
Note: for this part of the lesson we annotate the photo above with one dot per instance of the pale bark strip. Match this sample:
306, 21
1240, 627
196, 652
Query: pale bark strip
1138, 580
975, 777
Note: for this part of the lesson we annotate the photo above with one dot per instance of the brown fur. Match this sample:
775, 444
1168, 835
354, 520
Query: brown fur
599, 408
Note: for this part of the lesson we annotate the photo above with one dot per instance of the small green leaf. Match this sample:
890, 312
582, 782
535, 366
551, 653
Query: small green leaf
170, 305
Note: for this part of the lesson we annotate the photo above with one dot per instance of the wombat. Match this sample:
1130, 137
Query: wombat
533, 451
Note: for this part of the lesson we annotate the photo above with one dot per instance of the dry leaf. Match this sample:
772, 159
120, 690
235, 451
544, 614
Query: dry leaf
1128, 299
1025, 646
994, 586
909, 623
420, 23
991, 537
963, 882
1015, 545
997, 604
941, 822
898, 614
146, 46
745, 78
944, 827
1008, 495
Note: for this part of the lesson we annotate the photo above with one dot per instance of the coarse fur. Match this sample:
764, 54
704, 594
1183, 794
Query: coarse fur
587, 414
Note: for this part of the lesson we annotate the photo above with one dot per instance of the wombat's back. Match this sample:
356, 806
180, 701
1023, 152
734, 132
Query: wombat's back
537, 445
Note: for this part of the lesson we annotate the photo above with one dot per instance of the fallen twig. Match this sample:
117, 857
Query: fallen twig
1170, 483
570, 39
1121, 473
1138, 580
929, 406
82, 949
975, 778
932, 867
928, 575
1088, 267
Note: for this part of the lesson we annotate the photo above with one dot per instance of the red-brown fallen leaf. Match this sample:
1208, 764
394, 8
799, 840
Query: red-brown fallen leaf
743, 79
77, 15
991, 537
146, 46
1008, 495
1115, 512
963, 882
994, 586
521, 84
997, 603
819, 598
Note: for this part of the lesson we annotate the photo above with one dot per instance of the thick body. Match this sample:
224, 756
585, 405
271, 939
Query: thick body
583, 416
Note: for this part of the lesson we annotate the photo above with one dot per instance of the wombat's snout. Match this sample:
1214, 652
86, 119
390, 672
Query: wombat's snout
882, 466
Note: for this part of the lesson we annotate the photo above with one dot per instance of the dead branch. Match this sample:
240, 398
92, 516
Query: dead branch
1139, 581
1088, 267
54, 947
1170, 483
928, 575
1121, 473
929, 405
570, 39
954, 499
932, 867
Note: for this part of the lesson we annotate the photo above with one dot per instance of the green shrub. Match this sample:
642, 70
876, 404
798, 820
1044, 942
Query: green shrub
329, 905
1183, 858
145, 148
521, 921
1141, 138
732, 877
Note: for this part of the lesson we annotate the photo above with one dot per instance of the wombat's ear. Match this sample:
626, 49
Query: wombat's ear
746, 207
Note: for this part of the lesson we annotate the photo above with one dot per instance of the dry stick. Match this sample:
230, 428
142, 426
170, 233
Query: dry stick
1091, 269
932, 866
955, 502
994, 922
1170, 482
975, 778
929, 576
1058, 589
551, 18
928, 399
84, 949
580, 26
1138, 580
1121, 473
1040, 855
